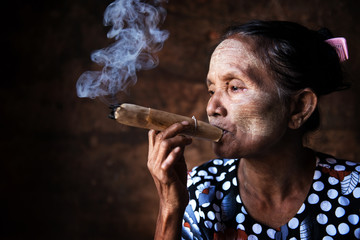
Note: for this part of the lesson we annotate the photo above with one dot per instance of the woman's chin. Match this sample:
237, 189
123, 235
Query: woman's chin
223, 151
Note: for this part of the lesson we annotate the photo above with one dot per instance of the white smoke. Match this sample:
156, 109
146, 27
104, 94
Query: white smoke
134, 26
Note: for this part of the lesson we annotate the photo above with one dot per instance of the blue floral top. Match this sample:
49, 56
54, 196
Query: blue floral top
330, 211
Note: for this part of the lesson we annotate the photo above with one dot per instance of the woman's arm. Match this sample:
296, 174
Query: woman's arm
167, 166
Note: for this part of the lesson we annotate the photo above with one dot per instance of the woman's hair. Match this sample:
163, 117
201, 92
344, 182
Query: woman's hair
297, 58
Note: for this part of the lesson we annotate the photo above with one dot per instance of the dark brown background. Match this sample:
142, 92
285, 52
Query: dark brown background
69, 172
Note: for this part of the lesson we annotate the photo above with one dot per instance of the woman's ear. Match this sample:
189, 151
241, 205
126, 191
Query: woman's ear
302, 106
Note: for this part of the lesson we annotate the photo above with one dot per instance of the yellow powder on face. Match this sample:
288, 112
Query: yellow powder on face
259, 116
237, 49
236, 56
257, 112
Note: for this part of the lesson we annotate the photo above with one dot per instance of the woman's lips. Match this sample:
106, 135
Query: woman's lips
224, 129
220, 126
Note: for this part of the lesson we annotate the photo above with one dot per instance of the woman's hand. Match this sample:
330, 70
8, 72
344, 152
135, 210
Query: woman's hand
167, 166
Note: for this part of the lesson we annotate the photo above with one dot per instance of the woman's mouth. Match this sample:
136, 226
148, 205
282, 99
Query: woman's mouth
224, 131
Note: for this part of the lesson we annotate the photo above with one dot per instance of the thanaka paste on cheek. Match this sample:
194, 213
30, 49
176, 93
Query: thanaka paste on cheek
257, 117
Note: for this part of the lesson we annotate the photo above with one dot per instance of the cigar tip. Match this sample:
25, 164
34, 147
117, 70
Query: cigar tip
113, 108
111, 116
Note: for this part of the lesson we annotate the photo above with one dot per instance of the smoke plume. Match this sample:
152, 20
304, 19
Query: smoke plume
134, 27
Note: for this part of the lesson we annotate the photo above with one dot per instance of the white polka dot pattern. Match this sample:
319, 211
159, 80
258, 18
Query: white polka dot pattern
226, 186
216, 205
343, 201
332, 193
252, 237
331, 230
356, 192
218, 227
257, 228
333, 181
302, 208
218, 162
243, 210
293, 223
322, 219
331, 160
241, 227
317, 175
208, 224
350, 163
339, 168
325, 206
318, 186
211, 215
271, 233
313, 198
357, 233
213, 170
353, 219
240, 218
339, 212
343, 228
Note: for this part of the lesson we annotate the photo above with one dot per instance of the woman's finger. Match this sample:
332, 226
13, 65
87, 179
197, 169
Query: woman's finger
174, 130
171, 158
167, 145
151, 137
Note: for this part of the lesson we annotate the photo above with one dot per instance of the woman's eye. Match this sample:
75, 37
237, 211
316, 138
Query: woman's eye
236, 88
211, 92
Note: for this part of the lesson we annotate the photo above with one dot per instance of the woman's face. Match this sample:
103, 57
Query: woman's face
244, 101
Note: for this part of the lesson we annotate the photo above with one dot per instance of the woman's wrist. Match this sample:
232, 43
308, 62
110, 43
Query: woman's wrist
177, 209
169, 223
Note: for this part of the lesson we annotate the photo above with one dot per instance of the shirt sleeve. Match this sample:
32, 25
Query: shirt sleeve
201, 191
190, 223
190, 227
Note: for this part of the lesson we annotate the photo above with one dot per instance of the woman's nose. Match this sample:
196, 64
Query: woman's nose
215, 106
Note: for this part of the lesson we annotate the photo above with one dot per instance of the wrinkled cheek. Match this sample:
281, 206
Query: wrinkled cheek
254, 123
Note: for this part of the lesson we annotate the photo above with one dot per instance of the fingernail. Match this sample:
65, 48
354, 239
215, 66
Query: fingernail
164, 165
185, 123
177, 149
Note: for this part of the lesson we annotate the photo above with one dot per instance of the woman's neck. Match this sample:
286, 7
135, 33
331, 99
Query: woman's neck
274, 186
278, 173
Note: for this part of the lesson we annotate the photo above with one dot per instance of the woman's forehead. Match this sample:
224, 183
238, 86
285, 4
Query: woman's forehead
236, 53
236, 44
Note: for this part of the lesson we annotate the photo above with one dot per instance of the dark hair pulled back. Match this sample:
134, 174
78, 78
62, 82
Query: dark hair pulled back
297, 58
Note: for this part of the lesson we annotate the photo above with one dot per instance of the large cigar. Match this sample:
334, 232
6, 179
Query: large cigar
148, 118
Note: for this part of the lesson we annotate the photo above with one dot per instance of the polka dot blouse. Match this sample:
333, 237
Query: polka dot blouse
330, 211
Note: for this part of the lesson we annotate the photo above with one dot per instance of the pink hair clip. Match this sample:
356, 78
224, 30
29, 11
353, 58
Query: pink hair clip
340, 46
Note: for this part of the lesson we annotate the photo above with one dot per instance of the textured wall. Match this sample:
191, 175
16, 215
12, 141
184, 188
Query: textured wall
69, 172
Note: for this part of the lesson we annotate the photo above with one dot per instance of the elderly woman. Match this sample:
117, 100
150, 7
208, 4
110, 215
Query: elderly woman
264, 82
